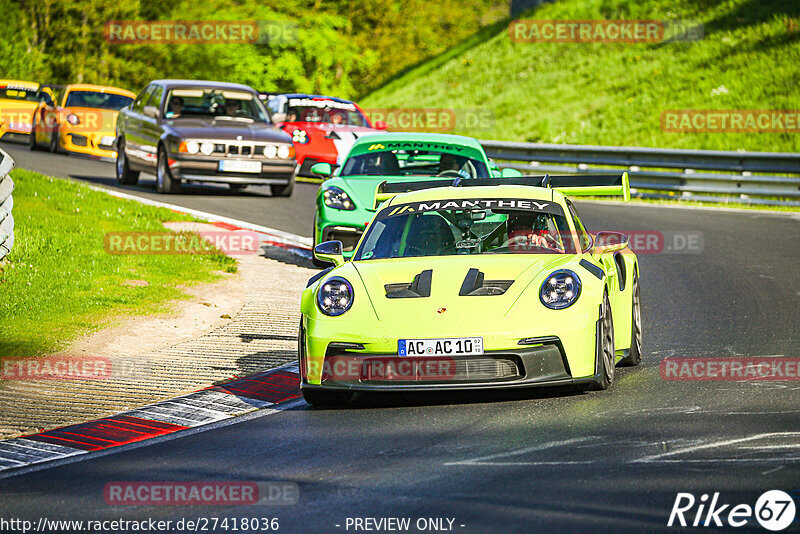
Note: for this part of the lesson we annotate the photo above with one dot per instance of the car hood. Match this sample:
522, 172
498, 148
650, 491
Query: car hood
226, 129
447, 277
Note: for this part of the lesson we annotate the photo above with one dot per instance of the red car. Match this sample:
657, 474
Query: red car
323, 128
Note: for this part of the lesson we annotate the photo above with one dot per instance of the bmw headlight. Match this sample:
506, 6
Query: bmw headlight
334, 296
300, 136
207, 148
335, 197
560, 290
192, 147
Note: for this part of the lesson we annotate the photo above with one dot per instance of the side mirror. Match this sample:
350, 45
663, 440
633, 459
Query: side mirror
510, 173
322, 168
330, 251
150, 111
609, 242
380, 125
278, 118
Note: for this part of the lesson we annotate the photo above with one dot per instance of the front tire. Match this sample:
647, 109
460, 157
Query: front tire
634, 356
165, 183
282, 190
54, 142
606, 356
32, 140
317, 397
125, 176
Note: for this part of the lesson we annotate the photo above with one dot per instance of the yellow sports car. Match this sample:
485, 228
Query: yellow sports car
18, 101
84, 123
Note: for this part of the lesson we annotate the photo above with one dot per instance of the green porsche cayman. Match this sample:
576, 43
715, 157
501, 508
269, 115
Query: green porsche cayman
345, 201
473, 283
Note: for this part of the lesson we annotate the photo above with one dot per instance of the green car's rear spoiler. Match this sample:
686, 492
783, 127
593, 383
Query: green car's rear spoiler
585, 185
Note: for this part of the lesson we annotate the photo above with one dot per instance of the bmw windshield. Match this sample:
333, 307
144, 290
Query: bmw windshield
414, 163
467, 226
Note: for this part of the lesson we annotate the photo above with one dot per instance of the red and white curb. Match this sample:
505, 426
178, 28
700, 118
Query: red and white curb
269, 390
294, 243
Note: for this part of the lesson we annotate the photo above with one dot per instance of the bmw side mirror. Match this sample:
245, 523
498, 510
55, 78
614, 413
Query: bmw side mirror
609, 242
322, 168
329, 251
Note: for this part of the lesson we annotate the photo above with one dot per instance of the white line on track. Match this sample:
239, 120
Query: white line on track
277, 235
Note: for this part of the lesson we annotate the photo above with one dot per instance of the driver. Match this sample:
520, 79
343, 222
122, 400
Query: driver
528, 230
448, 162
176, 106
231, 107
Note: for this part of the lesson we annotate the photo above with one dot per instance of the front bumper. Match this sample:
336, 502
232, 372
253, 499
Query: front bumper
346, 226
542, 364
88, 143
207, 170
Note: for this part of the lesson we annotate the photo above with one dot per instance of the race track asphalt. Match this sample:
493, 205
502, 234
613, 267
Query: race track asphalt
513, 461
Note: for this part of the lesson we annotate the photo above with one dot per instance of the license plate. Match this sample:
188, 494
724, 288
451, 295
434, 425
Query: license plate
232, 165
453, 346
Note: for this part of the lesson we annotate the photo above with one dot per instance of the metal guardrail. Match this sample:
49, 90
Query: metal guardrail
6, 203
722, 174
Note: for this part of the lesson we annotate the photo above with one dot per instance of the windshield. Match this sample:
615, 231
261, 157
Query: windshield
213, 102
25, 94
414, 163
94, 99
324, 111
467, 226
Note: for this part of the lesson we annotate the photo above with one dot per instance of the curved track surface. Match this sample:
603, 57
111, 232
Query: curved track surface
523, 461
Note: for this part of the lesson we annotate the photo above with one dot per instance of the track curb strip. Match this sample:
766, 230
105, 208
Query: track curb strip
267, 390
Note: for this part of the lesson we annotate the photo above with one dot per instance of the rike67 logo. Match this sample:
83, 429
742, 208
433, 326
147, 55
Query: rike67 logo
774, 510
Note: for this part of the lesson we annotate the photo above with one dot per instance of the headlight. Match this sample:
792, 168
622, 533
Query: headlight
334, 296
191, 147
270, 151
560, 290
207, 148
300, 136
334, 197
73, 119
284, 152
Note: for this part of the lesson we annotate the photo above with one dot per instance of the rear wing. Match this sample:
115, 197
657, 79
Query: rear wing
570, 184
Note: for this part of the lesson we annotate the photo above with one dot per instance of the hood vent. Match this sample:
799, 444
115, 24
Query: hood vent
419, 287
475, 286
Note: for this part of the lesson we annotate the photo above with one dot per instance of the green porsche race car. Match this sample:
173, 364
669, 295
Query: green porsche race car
345, 201
473, 283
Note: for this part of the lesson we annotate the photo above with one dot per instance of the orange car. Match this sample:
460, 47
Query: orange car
18, 101
85, 122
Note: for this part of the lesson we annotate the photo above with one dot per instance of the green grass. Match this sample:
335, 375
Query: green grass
613, 94
58, 282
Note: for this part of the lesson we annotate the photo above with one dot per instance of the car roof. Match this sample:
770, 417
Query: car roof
99, 89
304, 95
204, 83
418, 137
489, 191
